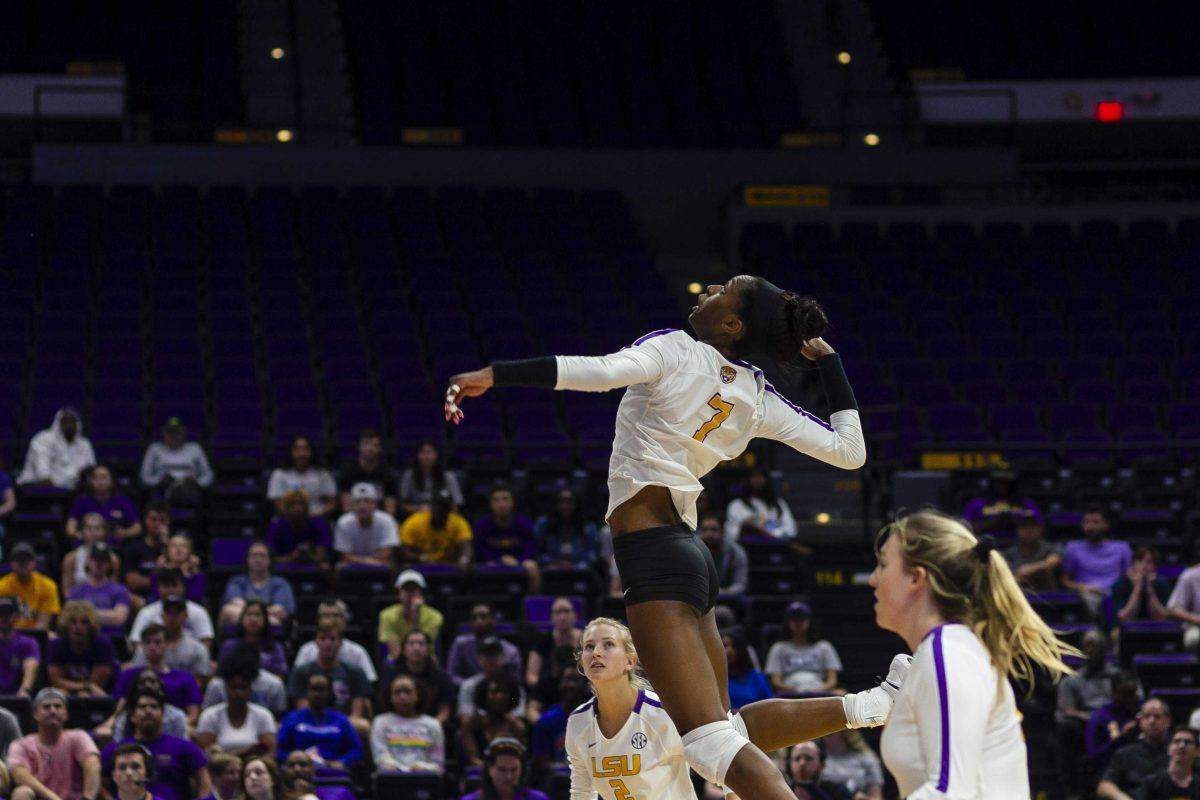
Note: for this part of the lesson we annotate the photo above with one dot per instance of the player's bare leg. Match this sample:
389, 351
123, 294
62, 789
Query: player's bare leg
674, 654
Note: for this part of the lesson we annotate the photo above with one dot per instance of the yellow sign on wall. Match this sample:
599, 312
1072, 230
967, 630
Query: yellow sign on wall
811, 195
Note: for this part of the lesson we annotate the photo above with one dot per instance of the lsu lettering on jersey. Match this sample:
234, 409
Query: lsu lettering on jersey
954, 731
688, 408
643, 761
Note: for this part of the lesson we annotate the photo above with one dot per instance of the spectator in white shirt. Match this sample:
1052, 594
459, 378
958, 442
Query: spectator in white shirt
1184, 605
197, 622
760, 512
58, 454
365, 535
300, 472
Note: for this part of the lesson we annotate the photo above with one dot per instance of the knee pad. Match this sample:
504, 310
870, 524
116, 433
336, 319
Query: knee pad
710, 749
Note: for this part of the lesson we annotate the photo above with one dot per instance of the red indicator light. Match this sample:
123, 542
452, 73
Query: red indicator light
1110, 111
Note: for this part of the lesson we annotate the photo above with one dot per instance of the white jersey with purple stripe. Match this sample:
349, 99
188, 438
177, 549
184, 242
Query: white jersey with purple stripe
643, 760
954, 731
688, 408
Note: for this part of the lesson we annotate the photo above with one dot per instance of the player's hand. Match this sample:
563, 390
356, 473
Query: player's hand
465, 384
815, 348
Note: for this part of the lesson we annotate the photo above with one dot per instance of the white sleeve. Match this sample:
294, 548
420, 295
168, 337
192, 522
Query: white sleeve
647, 360
199, 621
582, 787
736, 513
787, 523
838, 442
951, 703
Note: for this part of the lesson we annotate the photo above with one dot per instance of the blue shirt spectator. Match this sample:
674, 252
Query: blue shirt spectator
564, 539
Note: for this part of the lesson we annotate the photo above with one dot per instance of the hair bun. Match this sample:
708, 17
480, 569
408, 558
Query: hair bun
808, 317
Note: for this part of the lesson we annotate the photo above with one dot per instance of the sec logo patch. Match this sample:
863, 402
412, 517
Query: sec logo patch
638, 740
728, 374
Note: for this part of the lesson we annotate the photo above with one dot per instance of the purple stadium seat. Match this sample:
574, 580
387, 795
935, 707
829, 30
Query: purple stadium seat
230, 552
1007, 418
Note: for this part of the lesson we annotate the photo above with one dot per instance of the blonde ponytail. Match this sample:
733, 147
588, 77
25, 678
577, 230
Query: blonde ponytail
972, 583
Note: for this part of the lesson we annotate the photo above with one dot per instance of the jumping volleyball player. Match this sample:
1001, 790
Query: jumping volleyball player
622, 745
691, 404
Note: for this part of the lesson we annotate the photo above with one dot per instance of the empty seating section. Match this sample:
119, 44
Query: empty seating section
1077, 347
260, 317
180, 59
572, 73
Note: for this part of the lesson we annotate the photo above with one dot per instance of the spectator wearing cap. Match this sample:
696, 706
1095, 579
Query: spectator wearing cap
503, 536
349, 685
59, 454
412, 612
1141, 593
491, 656
184, 651
1092, 565
20, 655
369, 467
81, 661
334, 612
74, 565
37, 594
139, 556
999, 507
180, 766
798, 665
299, 471
55, 762
463, 660
365, 535
438, 536
119, 513
258, 584
172, 598
110, 599
1034, 561
177, 468
295, 536
327, 734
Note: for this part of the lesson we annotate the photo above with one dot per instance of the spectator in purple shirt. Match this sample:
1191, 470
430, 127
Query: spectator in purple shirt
179, 686
19, 654
1093, 564
110, 599
179, 764
463, 660
81, 660
504, 537
254, 630
297, 538
118, 511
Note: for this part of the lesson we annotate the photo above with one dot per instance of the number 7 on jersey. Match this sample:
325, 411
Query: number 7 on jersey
723, 409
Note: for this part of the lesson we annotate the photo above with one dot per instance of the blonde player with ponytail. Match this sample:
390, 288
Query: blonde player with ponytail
954, 731
622, 745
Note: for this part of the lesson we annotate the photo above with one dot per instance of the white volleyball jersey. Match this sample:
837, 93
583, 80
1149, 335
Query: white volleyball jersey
688, 408
643, 761
954, 731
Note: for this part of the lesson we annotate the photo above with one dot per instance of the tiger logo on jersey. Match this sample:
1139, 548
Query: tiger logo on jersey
728, 374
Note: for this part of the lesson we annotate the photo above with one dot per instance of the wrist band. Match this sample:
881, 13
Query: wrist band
837, 385
541, 372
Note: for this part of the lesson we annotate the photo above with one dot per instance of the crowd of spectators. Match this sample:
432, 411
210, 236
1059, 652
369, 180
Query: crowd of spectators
235, 683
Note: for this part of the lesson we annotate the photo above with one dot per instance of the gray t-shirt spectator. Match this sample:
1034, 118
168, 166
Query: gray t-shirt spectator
1086, 690
421, 492
317, 482
803, 667
1016, 557
10, 729
352, 538
267, 690
187, 461
174, 723
187, 654
1186, 594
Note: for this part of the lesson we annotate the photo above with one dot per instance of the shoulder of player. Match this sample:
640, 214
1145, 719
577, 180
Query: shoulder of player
578, 715
951, 643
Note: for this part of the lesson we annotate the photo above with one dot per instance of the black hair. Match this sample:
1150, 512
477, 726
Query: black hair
132, 692
778, 323
742, 664
159, 506
287, 459
168, 575
501, 746
438, 476
138, 749
556, 525
266, 638
1097, 509
506, 682
237, 665
421, 688
136, 696
369, 433
500, 486
768, 494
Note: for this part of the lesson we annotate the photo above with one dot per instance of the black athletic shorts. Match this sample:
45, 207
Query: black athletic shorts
667, 563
